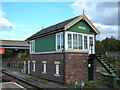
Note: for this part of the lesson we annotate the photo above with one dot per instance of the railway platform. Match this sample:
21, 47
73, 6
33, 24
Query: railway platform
32, 80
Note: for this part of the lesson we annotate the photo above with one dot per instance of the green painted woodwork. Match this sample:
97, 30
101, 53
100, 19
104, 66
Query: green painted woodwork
48, 43
82, 23
45, 44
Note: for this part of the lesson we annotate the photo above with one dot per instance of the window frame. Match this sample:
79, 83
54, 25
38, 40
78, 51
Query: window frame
32, 46
86, 43
44, 71
90, 40
69, 42
34, 66
57, 68
82, 44
75, 41
61, 41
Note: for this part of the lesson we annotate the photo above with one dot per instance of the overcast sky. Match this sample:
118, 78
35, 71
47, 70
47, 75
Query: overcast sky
21, 20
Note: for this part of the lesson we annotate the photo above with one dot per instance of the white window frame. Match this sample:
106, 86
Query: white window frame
44, 67
57, 68
86, 42
32, 46
69, 42
71, 49
80, 41
93, 47
34, 66
90, 41
61, 41
76, 43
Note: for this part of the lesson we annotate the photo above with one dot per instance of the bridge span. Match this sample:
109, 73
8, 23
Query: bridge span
16, 45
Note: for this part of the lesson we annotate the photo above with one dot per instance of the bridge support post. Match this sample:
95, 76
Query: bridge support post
24, 66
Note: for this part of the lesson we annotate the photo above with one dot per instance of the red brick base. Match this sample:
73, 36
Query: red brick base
76, 67
73, 66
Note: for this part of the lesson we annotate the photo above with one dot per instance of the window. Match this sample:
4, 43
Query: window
79, 41
85, 42
74, 41
90, 41
44, 67
57, 68
32, 46
60, 41
69, 40
33, 63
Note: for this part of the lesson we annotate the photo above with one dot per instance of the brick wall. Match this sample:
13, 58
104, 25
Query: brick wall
50, 58
76, 67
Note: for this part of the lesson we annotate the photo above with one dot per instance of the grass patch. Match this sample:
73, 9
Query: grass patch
70, 86
99, 82
42, 82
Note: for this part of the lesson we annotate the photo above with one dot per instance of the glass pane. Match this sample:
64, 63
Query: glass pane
85, 42
58, 41
33, 46
62, 41
69, 41
44, 68
91, 41
57, 69
33, 66
79, 41
74, 41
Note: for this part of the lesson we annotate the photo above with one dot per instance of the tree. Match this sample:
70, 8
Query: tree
100, 49
111, 44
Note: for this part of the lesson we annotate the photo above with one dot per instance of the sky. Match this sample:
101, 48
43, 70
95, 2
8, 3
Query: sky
20, 20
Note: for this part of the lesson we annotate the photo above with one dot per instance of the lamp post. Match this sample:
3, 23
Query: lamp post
9, 31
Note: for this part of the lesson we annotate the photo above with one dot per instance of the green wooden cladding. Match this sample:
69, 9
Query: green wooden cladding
45, 44
82, 23
48, 43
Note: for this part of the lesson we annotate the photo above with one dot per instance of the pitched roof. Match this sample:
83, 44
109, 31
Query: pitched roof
64, 26
52, 28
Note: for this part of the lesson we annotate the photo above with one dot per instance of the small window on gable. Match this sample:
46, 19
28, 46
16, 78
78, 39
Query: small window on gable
32, 46
59, 38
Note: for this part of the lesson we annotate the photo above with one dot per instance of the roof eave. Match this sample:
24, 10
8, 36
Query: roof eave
80, 18
46, 34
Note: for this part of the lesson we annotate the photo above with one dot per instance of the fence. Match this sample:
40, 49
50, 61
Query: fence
19, 66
